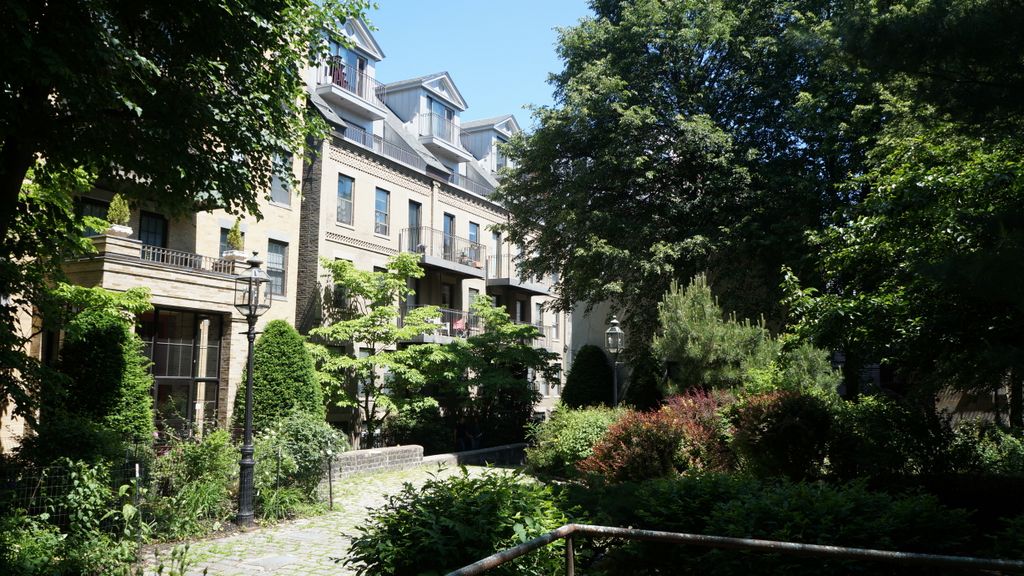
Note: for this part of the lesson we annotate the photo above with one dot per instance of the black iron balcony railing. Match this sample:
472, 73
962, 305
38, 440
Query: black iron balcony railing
471, 184
440, 127
340, 74
435, 243
455, 323
383, 147
186, 260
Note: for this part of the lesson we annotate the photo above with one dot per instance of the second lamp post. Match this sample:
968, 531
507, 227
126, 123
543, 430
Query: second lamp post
614, 340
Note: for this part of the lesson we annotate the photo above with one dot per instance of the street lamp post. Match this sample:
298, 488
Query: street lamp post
614, 339
252, 299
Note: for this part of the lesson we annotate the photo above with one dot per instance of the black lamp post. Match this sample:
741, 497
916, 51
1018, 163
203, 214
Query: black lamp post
614, 340
252, 299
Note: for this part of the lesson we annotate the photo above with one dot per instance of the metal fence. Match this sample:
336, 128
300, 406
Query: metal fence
571, 531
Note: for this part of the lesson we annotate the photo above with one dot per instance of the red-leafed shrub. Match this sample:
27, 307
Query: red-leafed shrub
705, 439
639, 446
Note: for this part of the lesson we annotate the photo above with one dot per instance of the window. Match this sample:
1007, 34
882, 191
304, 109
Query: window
555, 322
499, 159
441, 120
380, 213
474, 237
280, 189
415, 222
538, 314
90, 207
224, 247
277, 261
520, 311
449, 237
345, 185
153, 229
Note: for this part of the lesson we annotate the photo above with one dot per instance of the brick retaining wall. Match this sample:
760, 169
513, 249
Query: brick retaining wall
411, 456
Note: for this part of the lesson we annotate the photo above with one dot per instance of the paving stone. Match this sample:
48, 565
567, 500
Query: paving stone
308, 546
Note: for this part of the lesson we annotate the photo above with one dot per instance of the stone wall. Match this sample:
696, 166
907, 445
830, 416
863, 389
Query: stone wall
411, 456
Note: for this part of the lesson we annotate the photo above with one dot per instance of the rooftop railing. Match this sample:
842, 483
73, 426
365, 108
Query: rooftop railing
435, 243
471, 184
440, 127
186, 260
338, 73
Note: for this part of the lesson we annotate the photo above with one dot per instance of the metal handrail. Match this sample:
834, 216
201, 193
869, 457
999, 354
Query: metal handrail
457, 323
440, 127
793, 548
435, 243
186, 260
383, 147
470, 184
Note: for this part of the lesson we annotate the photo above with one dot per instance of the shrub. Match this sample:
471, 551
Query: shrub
284, 379
113, 388
448, 523
420, 422
118, 212
705, 432
67, 435
984, 448
589, 382
639, 446
742, 506
305, 443
782, 433
567, 438
235, 239
193, 485
876, 436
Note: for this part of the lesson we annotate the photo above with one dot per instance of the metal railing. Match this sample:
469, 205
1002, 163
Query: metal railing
569, 531
456, 323
338, 73
546, 336
186, 260
383, 147
470, 184
505, 266
440, 127
434, 242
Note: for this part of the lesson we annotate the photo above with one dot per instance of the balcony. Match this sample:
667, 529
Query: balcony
345, 87
446, 252
175, 278
467, 183
444, 137
547, 339
381, 146
452, 324
502, 271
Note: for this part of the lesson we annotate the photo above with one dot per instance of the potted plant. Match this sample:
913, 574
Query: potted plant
236, 244
118, 216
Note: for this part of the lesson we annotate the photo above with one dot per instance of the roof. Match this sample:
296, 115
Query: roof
449, 91
395, 126
474, 125
364, 39
327, 112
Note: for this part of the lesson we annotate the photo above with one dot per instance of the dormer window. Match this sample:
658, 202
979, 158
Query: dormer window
442, 121
499, 157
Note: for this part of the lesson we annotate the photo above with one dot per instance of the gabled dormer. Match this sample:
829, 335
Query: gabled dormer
348, 79
484, 138
430, 107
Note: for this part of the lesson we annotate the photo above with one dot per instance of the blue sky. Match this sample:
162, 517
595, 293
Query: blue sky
498, 52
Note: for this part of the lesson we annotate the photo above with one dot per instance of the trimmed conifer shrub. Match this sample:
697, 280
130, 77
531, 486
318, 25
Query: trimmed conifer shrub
108, 379
589, 382
284, 379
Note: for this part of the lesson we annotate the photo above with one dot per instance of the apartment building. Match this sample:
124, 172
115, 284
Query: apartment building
401, 172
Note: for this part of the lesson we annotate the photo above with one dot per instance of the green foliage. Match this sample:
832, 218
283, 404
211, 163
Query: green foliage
118, 213
303, 444
877, 436
280, 503
782, 433
419, 421
589, 381
744, 507
567, 438
984, 448
451, 522
706, 349
65, 435
284, 378
235, 239
193, 486
639, 446
705, 431
376, 299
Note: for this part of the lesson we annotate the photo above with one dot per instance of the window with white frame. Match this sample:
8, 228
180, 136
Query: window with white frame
381, 212
345, 186
277, 261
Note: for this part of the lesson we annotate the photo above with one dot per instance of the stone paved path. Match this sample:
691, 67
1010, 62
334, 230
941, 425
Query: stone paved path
310, 546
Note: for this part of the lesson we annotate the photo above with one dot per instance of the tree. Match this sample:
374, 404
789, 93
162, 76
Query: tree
284, 379
589, 382
687, 136
374, 326
185, 105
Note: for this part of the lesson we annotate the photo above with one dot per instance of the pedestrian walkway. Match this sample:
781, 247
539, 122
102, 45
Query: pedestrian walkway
310, 546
